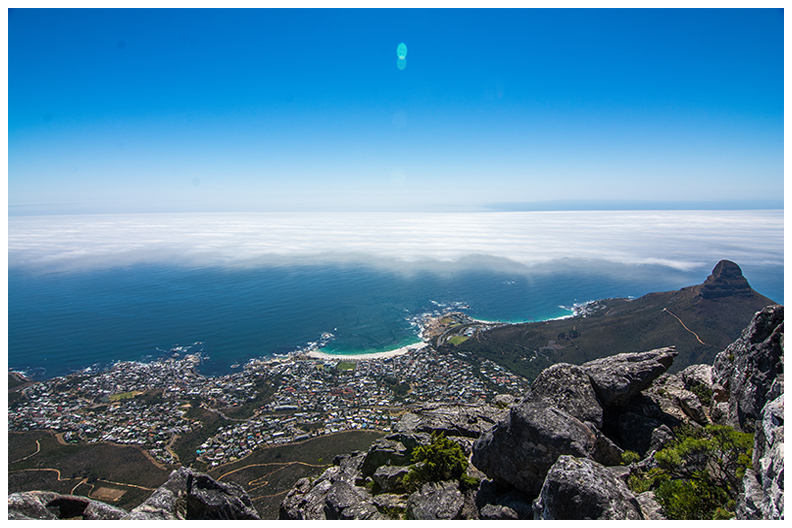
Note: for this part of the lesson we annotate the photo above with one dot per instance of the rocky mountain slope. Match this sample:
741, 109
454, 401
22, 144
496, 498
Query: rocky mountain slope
554, 453
699, 321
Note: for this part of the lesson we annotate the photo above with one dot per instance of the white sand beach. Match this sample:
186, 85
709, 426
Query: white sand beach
318, 354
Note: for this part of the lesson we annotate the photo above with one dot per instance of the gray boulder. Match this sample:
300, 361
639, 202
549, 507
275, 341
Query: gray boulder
618, 378
436, 500
470, 421
579, 488
333, 495
345, 501
522, 448
569, 388
385, 452
698, 375
47, 505
188, 494
650, 508
390, 477
497, 512
748, 369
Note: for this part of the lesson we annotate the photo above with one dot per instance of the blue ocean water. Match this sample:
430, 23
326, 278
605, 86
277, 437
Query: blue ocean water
60, 322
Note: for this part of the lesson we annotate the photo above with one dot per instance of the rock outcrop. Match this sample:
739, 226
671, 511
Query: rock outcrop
436, 501
562, 414
47, 505
618, 378
751, 369
749, 385
579, 488
188, 494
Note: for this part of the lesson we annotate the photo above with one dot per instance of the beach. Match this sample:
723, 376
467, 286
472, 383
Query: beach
318, 354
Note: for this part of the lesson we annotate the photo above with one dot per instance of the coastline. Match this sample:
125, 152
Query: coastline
318, 354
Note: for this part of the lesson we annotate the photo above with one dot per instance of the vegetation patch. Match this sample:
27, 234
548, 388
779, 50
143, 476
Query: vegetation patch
700, 473
458, 340
346, 365
442, 460
124, 395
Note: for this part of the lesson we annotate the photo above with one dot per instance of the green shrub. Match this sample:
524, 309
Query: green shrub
630, 457
700, 472
703, 392
442, 460
690, 499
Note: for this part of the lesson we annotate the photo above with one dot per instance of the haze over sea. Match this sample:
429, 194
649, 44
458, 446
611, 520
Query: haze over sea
94, 289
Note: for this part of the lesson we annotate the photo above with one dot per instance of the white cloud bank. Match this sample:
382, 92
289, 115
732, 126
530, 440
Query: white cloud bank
682, 240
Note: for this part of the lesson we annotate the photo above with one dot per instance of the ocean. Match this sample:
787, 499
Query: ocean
76, 302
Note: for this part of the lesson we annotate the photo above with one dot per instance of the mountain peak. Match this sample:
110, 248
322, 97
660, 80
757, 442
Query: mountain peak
726, 280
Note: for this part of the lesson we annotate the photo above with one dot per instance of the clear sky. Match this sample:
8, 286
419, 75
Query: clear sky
278, 110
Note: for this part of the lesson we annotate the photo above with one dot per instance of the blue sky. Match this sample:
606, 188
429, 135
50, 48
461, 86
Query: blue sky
279, 110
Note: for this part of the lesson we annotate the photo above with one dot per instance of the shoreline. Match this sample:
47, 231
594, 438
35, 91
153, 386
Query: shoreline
318, 354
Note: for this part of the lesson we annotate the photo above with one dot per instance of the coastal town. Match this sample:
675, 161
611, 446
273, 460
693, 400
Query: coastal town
270, 401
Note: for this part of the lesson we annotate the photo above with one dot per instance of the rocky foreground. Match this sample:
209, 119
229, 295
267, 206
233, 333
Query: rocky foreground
555, 453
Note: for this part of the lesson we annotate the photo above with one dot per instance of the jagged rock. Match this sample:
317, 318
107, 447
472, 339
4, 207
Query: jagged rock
333, 495
763, 497
569, 388
47, 505
606, 452
726, 280
436, 500
501, 401
494, 512
618, 378
385, 452
345, 501
749, 367
522, 448
578, 488
642, 434
451, 420
698, 375
390, 477
390, 501
305, 501
650, 508
493, 499
188, 494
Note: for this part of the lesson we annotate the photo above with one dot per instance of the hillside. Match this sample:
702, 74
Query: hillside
699, 321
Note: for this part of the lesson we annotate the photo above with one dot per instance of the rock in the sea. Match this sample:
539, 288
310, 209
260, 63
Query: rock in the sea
569, 388
188, 494
436, 500
748, 369
618, 378
47, 505
579, 488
